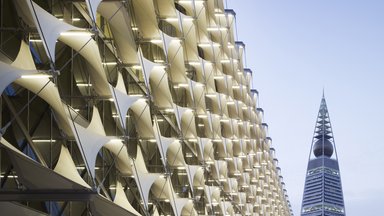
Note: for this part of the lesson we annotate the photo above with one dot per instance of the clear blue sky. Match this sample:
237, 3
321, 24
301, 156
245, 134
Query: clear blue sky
297, 47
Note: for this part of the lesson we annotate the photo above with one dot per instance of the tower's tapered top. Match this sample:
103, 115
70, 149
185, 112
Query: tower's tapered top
323, 132
323, 194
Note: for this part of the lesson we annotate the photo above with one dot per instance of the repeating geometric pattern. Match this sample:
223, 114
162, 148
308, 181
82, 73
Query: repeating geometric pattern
138, 107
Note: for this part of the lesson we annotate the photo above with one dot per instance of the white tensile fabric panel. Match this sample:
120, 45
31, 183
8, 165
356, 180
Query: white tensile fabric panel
24, 58
161, 189
188, 209
232, 166
234, 184
101, 206
180, 111
167, 8
49, 27
90, 139
210, 124
199, 67
243, 179
201, 142
223, 208
176, 60
206, 149
254, 97
247, 129
230, 209
9, 74
159, 86
189, 30
145, 182
139, 163
209, 152
229, 147
146, 65
122, 103
246, 164
120, 83
251, 159
205, 17
246, 178
252, 189
209, 73
199, 179
143, 121
145, 18
178, 205
215, 171
235, 129
194, 175
33, 175
229, 82
96, 125
122, 33
243, 197
227, 187
198, 95
175, 155
121, 199
223, 105
188, 125
226, 208
237, 148
221, 150
216, 128
66, 167
123, 162
162, 142
237, 164
237, 108
249, 207
92, 6
212, 194
82, 42
167, 40
215, 105
222, 165
155, 211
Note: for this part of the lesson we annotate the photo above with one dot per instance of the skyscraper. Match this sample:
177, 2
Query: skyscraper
323, 194
136, 107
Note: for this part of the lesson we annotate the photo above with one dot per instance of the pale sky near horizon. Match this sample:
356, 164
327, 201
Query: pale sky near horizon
297, 47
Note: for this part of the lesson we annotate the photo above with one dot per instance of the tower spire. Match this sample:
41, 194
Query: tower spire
323, 93
323, 175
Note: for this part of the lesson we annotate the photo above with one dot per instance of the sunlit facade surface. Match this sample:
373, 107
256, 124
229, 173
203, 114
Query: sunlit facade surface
323, 194
137, 107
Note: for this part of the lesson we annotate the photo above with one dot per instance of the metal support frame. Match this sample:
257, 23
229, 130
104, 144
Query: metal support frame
24, 130
47, 195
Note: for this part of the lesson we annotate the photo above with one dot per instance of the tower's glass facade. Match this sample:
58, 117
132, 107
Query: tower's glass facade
323, 194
